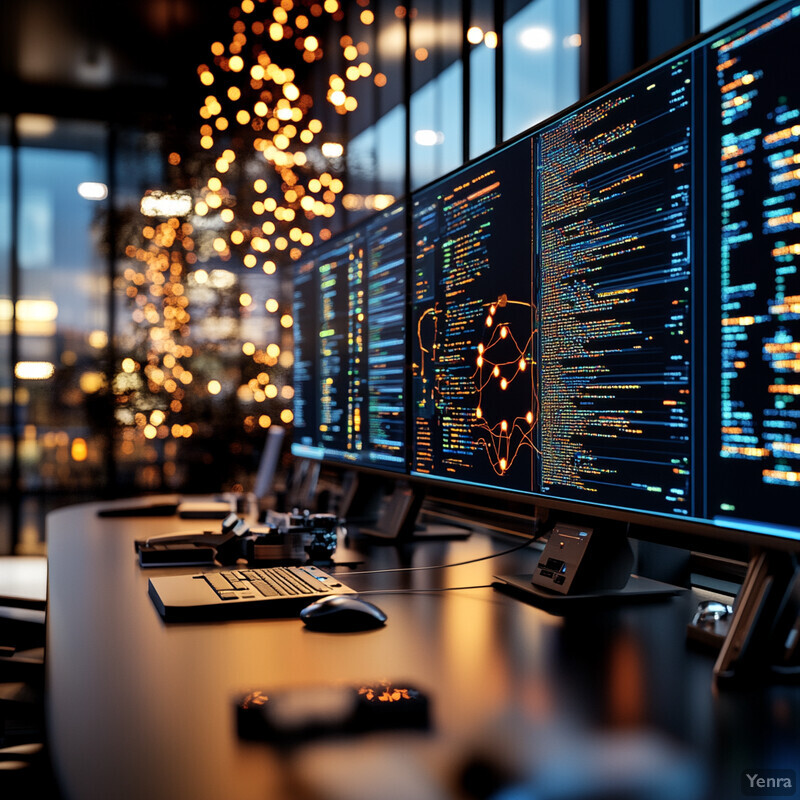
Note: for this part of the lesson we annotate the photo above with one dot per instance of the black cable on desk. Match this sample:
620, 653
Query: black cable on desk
433, 590
526, 543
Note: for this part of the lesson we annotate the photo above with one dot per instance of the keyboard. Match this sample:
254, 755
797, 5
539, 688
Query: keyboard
241, 593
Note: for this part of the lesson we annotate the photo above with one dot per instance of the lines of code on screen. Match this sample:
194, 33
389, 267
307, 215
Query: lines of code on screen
305, 370
475, 408
615, 278
349, 307
754, 170
605, 310
386, 342
342, 365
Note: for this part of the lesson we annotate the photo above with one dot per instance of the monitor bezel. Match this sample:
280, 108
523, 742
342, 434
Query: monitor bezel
692, 533
327, 458
694, 527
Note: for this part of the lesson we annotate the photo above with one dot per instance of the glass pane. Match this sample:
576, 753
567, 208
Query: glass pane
715, 12
436, 30
6, 441
62, 317
390, 132
362, 174
483, 38
389, 53
436, 133
482, 103
5, 298
139, 460
203, 340
541, 47
362, 86
436, 89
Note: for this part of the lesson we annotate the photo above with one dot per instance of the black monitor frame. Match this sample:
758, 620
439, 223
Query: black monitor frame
357, 237
691, 533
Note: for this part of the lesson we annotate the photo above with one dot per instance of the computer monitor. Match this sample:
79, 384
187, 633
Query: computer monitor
385, 340
349, 369
605, 313
474, 395
328, 347
664, 329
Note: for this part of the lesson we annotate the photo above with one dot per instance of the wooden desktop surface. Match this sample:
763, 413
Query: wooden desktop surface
554, 706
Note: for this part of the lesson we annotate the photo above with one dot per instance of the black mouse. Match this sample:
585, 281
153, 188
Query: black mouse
342, 613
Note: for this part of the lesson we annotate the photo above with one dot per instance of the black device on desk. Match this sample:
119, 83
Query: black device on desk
288, 539
242, 593
171, 505
291, 716
257, 544
341, 613
172, 549
579, 563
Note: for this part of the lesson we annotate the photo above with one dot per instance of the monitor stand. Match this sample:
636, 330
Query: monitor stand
584, 563
360, 497
397, 519
303, 484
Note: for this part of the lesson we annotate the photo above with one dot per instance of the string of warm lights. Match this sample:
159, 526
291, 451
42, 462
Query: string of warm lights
155, 286
266, 189
259, 126
164, 383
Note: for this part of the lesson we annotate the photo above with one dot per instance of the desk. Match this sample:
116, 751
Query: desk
609, 697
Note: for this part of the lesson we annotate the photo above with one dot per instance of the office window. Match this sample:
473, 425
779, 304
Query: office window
715, 12
203, 342
6, 439
375, 150
375, 166
62, 320
389, 54
541, 52
436, 90
362, 174
483, 52
436, 133
5, 300
482, 101
61, 310
391, 148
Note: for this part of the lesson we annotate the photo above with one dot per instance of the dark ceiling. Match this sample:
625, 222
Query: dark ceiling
125, 60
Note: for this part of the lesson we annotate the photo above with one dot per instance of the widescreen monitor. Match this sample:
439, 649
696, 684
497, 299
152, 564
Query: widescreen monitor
349, 367
473, 316
605, 312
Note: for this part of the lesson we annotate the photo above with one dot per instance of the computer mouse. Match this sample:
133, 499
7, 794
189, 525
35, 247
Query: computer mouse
342, 613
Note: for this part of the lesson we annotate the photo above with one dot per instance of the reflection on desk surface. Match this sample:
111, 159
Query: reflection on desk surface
522, 703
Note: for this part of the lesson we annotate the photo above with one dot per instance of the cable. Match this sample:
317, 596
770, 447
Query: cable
433, 590
526, 543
